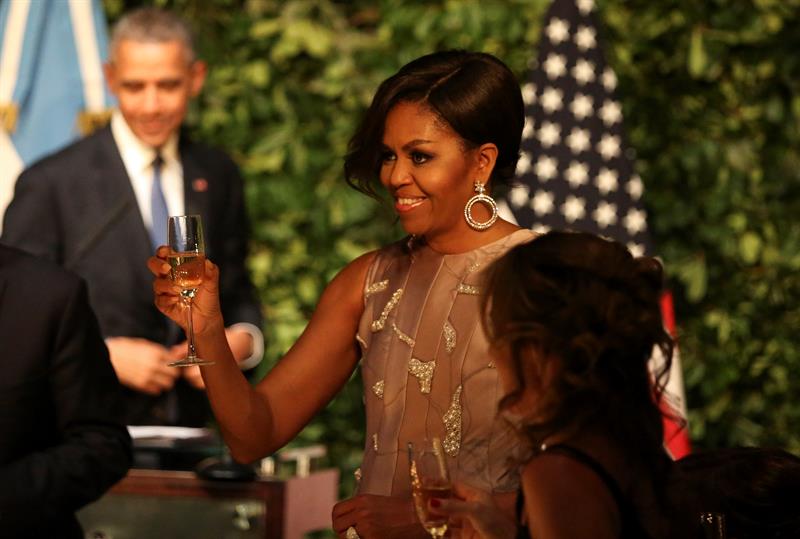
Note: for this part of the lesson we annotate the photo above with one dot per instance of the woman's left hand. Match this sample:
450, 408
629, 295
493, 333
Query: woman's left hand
378, 517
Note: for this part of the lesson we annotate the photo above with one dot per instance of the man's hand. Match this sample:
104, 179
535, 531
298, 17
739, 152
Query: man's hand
141, 364
378, 517
241, 343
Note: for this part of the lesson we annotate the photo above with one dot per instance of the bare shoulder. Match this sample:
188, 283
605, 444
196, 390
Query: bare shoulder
565, 498
347, 287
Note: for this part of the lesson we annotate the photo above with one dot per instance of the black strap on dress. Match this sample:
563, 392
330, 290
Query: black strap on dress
630, 525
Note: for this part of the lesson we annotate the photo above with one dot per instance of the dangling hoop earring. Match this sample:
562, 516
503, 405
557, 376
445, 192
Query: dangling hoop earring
485, 199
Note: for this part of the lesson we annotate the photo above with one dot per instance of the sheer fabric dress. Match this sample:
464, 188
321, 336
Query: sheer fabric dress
426, 368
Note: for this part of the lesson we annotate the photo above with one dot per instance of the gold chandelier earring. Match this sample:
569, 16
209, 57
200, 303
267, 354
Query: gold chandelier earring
483, 198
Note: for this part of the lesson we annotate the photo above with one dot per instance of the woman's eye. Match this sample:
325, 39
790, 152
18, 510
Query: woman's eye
387, 156
419, 158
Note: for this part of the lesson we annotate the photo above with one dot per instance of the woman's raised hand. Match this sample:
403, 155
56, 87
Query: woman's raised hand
206, 313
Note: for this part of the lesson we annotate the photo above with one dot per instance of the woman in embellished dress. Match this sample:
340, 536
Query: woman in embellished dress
439, 135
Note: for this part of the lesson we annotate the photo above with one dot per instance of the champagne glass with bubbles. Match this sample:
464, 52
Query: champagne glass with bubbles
187, 262
429, 479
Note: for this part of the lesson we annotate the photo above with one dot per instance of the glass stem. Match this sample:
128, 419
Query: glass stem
190, 333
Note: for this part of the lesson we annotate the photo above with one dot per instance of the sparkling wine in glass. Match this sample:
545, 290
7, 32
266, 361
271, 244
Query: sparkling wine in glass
429, 479
187, 262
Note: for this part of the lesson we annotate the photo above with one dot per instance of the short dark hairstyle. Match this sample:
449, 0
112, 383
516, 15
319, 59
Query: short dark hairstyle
152, 25
474, 93
586, 304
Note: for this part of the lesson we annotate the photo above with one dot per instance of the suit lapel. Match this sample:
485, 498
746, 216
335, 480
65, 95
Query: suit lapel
5, 309
195, 182
114, 208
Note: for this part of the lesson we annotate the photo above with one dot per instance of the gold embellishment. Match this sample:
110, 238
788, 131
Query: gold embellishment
423, 372
491, 365
402, 336
449, 336
378, 324
357, 475
91, 121
378, 389
374, 288
452, 425
361, 341
472, 267
468, 289
8, 116
375, 441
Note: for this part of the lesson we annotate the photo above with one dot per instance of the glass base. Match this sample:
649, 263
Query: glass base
190, 362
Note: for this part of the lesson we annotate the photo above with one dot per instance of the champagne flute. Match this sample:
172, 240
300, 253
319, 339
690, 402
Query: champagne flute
429, 479
187, 261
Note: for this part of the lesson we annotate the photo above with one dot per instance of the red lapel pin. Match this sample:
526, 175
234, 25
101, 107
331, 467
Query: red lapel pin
200, 185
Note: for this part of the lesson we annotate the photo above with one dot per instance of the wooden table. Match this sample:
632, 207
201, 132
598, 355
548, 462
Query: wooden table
161, 503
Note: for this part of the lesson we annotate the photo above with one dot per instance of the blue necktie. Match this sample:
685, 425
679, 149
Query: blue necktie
158, 207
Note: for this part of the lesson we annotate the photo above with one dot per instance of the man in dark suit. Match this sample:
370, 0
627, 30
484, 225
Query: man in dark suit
99, 207
62, 439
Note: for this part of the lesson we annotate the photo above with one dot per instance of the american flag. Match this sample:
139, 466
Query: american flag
575, 170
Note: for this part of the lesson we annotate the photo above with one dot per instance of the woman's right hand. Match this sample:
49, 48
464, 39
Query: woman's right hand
206, 313
476, 512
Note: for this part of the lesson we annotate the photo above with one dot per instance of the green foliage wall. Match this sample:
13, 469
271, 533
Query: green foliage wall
711, 93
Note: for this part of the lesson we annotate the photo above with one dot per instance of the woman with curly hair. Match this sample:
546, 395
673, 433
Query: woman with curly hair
573, 320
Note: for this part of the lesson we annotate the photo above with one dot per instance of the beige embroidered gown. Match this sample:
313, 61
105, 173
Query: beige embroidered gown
426, 368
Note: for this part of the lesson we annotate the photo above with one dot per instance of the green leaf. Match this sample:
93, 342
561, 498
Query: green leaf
750, 247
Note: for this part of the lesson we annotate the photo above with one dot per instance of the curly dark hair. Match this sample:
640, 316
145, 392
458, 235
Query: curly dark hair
588, 311
474, 93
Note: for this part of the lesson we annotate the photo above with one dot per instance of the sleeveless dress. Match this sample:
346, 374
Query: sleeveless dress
426, 368
630, 525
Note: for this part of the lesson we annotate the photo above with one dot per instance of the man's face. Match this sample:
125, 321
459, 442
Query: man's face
153, 83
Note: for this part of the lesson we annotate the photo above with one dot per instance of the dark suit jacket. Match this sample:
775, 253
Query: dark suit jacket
78, 209
62, 439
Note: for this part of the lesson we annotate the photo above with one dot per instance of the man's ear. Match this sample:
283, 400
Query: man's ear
111, 77
198, 71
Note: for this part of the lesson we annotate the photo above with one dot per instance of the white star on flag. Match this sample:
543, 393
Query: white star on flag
577, 174
609, 79
518, 196
552, 100
523, 163
607, 181
555, 66
634, 221
585, 6
581, 106
542, 202
605, 214
635, 187
610, 112
583, 72
573, 209
529, 93
557, 31
549, 134
578, 140
585, 38
608, 146
527, 131
546, 168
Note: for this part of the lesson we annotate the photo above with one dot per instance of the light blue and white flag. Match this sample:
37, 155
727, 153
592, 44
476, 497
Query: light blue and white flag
51, 80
